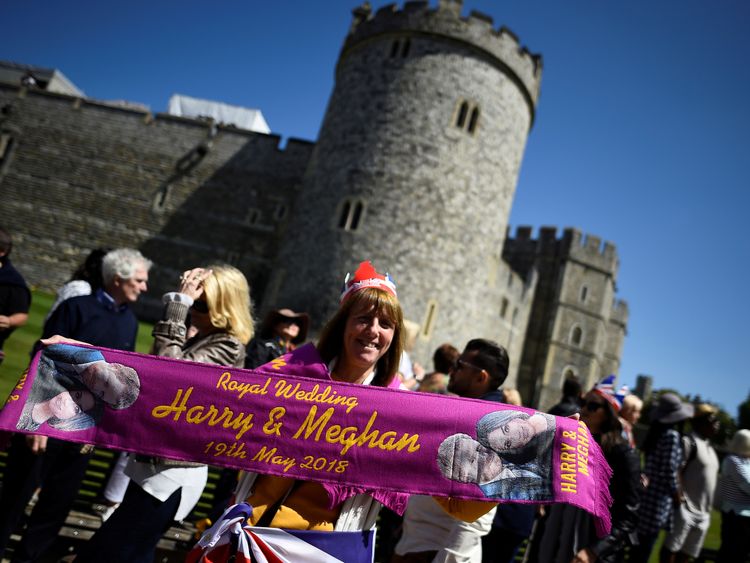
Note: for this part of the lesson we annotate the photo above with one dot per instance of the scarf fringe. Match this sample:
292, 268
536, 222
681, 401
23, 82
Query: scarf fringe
602, 498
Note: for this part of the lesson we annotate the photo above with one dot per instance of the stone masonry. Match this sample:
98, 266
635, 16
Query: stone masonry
415, 168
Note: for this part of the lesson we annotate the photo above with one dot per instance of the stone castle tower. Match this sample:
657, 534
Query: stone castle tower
415, 168
576, 326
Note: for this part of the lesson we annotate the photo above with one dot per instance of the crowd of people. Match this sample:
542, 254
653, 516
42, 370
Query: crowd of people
207, 319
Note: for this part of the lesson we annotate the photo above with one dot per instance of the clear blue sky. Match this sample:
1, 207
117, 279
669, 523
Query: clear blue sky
643, 117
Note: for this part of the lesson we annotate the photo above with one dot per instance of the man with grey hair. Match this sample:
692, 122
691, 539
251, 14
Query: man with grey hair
104, 319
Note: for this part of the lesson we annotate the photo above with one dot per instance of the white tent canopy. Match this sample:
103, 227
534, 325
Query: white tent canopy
244, 118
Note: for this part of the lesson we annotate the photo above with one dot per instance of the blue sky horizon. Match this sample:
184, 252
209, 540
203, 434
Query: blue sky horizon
640, 137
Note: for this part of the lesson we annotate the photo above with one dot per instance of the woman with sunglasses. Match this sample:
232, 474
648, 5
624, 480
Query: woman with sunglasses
568, 535
161, 490
281, 332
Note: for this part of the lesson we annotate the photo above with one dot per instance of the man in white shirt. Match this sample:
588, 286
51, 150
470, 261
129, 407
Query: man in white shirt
698, 479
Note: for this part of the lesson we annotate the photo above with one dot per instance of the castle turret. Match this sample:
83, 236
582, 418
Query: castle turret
415, 168
577, 327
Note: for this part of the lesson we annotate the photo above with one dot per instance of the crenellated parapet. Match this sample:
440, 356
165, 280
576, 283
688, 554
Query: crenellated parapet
571, 244
590, 250
476, 30
620, 312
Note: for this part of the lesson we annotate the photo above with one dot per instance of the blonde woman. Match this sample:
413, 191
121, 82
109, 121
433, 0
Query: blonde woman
218, 299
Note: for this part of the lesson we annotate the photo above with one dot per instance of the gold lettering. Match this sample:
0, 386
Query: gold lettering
314, 424
178, 406
568, 487
272, 427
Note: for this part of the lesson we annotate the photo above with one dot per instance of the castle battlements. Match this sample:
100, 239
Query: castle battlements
476, 30
620, 312
588, 248
572, 243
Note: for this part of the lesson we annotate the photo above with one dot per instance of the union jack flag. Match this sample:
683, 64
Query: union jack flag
248, 544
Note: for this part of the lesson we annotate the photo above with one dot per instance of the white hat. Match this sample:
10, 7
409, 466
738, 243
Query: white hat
740, 444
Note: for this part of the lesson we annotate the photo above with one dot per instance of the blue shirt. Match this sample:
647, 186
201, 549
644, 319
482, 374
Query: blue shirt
95, 319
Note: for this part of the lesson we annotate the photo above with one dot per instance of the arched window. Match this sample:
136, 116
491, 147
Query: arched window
576, 335
569, 373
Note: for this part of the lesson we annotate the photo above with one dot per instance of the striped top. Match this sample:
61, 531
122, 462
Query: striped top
735, 485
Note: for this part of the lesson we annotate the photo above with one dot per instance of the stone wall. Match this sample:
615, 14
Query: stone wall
435, 191
83, 174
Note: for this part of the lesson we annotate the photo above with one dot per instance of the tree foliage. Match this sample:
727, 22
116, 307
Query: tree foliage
743, 414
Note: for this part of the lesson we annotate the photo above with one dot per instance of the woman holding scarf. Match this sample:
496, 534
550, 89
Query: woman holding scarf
361, 344
162, 490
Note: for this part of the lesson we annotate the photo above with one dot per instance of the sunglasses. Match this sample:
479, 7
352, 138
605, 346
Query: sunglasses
460, 364
200, 306
593, 406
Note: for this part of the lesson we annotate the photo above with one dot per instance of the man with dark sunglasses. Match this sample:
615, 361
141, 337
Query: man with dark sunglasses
430, 533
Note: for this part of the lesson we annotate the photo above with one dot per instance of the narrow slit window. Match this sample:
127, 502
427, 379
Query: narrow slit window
351, 214
356, 216
405, 50
584, 293
280, 211
7, 145
344, 217
252, 217
504, 308
473, 120
461, 119
429, 319
394, 48
576, 336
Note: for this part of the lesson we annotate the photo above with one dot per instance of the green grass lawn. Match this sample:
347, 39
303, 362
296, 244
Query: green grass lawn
713, 538
19, 344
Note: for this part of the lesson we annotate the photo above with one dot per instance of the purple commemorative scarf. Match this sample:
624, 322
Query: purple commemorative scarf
288, 418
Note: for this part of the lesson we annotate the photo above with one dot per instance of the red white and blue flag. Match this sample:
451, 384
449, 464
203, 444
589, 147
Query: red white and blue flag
249, 544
